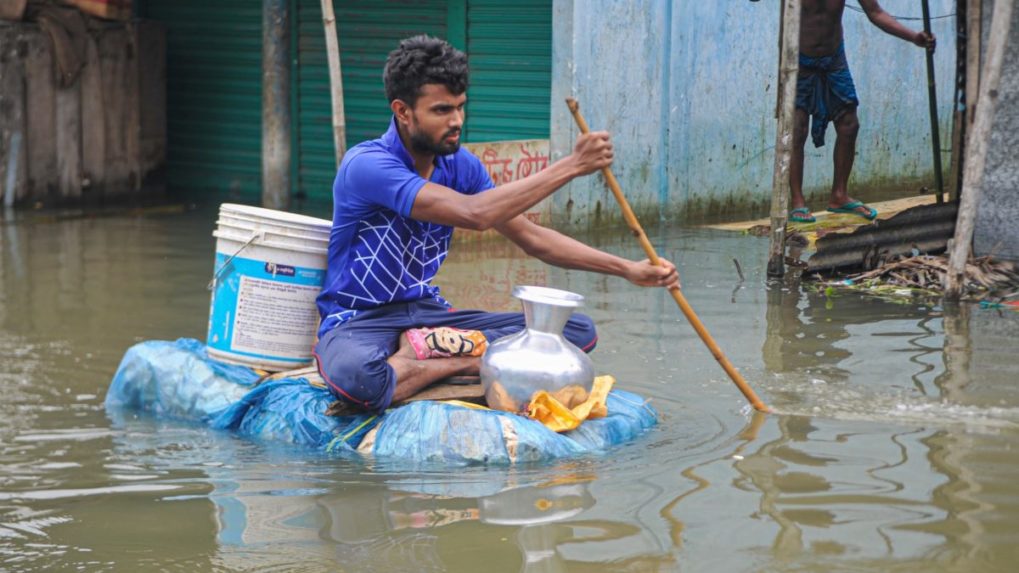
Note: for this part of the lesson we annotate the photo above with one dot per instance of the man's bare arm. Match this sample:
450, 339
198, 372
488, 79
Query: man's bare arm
557, 249
438, 204
886, 22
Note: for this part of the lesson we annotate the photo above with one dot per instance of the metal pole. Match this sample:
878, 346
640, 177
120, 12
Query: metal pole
335, 79
275, 104
976, 148
932, 99
789, 60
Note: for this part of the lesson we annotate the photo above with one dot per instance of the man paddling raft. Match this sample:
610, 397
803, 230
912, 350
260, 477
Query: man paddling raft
385, 331
825, 92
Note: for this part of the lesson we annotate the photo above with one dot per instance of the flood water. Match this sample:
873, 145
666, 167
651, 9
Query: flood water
895, 445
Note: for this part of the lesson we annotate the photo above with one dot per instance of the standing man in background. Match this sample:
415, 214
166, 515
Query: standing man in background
825, 93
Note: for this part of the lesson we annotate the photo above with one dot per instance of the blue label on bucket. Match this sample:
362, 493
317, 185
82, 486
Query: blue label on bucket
264, 310
280, 270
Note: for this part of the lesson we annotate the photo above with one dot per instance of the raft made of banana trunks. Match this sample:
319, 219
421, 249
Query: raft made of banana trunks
178, 380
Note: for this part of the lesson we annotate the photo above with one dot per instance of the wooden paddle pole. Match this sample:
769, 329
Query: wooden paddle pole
691, 316
932, 98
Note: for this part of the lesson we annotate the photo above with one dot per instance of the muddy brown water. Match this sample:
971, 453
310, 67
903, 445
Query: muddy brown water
894, 446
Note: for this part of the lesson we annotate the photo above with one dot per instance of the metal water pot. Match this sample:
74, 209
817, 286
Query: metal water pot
539, 357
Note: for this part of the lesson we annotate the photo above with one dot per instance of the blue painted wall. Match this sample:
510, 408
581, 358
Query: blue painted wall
687, 89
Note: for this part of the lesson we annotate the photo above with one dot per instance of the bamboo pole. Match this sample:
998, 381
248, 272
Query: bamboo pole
649, 250
932, 101
976, 149
789, 59
335, 79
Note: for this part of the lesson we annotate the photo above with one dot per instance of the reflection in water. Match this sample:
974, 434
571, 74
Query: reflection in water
746, 436
801, 336
809, 490
375, 526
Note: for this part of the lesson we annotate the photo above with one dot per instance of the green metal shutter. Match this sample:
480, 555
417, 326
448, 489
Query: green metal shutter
368, 31
510, 49
214, 93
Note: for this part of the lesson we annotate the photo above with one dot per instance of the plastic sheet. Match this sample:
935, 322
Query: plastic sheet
178, 380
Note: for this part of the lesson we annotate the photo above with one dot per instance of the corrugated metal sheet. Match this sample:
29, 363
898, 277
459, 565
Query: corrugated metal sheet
368, 31
925, 229
510, 50
214, 93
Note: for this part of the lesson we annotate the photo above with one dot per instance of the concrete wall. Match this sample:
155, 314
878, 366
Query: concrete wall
998, 211
687, 89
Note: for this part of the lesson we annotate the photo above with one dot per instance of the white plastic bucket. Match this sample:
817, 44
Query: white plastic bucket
269, 268
288, 224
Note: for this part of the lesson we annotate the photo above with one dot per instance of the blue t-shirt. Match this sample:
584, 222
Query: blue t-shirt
377, 254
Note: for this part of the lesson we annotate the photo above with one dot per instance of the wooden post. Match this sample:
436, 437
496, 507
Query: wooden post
976, 149
68, 142
335, 79
40, 121
93, 118
789, 59
275, 104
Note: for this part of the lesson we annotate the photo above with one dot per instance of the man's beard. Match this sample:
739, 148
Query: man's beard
422, 144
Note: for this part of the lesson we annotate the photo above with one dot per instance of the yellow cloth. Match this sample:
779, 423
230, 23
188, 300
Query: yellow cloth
558, 417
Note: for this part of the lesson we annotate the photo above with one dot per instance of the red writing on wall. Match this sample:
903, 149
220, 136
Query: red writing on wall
505, 164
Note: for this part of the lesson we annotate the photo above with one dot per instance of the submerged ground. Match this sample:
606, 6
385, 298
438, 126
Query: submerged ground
894, 445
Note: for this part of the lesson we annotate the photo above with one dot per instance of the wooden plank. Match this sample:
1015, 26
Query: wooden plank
132, 111
443, 391
93, 118
465, 388
12, 117
150, 39
40, 119
886, 209
68, 141
474, 394
113, 68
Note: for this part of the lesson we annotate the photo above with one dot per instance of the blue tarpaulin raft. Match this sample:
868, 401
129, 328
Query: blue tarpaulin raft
178, 380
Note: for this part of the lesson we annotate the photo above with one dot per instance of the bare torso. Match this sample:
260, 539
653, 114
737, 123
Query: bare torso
821, 26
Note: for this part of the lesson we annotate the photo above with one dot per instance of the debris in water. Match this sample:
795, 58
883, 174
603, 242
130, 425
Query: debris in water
985, 279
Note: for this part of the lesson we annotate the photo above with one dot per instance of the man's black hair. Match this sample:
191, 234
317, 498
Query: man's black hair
421, 60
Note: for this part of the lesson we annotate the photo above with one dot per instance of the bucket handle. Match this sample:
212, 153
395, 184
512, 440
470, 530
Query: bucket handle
215, 277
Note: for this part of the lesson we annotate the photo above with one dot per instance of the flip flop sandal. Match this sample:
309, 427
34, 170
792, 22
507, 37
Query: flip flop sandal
445, 342
801, 215
851, 208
